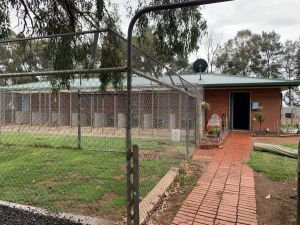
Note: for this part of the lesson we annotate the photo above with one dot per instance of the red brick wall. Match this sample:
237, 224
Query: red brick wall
269, 98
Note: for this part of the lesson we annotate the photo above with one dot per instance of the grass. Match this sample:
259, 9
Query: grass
293, 146
275, 167
45, 171
70, 142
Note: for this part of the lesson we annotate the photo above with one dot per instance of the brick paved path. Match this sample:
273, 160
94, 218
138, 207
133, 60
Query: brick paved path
225, 192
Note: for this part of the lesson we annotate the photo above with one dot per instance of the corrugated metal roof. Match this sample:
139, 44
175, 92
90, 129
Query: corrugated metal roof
207, 81
216, 80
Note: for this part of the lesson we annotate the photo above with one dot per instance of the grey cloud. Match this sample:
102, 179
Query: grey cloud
257, 15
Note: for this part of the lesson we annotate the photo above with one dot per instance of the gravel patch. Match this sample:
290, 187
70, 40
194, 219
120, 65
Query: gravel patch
13, 216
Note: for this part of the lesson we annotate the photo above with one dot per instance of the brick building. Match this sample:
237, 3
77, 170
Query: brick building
234, 98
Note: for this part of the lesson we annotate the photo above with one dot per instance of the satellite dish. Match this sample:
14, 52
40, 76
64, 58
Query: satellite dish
200, 66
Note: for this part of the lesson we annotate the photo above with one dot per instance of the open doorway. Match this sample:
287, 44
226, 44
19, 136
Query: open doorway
240, 110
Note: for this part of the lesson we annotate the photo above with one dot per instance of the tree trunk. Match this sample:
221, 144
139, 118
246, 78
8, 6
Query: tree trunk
260, 127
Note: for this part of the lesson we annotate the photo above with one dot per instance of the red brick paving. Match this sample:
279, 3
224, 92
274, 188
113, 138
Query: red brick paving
225, 192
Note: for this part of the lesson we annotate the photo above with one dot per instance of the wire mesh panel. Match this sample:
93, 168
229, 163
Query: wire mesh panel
41, 164
163, 127
62, 135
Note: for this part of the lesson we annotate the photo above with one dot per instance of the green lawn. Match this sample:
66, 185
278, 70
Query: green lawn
294, 146
46, 171
276, 167
70, 141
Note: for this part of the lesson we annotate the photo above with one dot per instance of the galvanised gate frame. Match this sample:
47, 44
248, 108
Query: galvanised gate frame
184, 87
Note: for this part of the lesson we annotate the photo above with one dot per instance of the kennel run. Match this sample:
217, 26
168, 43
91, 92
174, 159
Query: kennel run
33, 106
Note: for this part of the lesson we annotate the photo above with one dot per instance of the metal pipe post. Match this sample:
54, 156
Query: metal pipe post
78, 122
152, 110
0, 114
30, 109
115, 114
180, 111
103, 111
298, 186
129, 84
50, 110
92, 106
59, 118
45, 106
136, 202
40, 110
187, 127
139, 102
70, 108
12, 108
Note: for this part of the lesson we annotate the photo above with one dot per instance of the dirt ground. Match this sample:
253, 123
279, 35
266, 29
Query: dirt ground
168, 208
279, 209
158, 133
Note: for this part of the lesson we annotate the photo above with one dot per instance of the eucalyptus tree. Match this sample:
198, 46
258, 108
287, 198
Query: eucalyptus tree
271, 51
175, 33
46, 17
238, 55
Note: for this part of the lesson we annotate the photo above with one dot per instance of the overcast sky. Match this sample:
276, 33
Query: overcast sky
283, 16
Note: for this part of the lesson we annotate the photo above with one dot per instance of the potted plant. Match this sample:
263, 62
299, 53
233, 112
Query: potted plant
260, 117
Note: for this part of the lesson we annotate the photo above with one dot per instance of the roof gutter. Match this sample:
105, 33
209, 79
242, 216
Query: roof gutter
277, 84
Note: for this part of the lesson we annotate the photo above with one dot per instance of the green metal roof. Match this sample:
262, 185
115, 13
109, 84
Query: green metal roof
207, 81
223, 81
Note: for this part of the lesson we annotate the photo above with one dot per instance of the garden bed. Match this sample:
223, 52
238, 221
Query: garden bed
273, 201
208, 144
274, 135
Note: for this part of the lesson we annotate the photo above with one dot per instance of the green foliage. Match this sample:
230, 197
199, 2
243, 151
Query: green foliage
112, 55
297, 67
187, 181
259, 116
260, 54
237, 55
276, 167
271, 52
214, 131
44, 17
51, 16
176, 33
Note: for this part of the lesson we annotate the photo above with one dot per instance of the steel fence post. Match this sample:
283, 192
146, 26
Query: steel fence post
298, 186
78, 121
135, 18
135, 151
186, 127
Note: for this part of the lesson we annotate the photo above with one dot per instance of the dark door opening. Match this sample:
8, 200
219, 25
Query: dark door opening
240, 110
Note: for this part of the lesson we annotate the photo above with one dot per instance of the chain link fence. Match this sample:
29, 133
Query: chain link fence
62, 136
168, 116
63, 151
290, 120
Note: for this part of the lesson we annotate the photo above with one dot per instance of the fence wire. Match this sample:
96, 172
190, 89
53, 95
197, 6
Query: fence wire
41, 164
62, 137
168, 117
